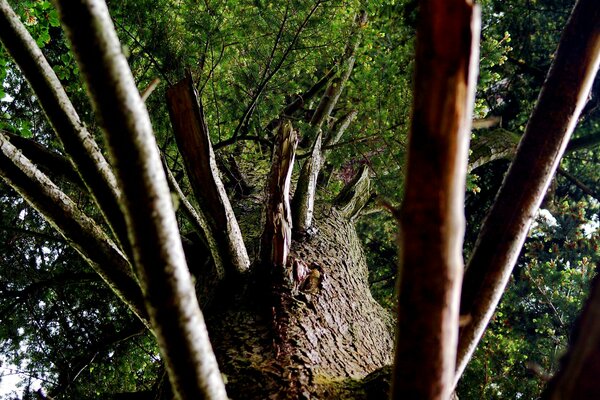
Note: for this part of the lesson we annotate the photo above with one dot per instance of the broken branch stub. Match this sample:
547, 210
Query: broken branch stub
355, 195
277, 235
191, 133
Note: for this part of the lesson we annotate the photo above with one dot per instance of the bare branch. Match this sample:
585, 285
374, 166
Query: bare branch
556, 113
432, 214
78, 143
80, 231
193, 141
159, 258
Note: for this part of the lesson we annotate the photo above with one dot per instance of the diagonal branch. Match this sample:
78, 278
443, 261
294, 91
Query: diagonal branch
193, 141
79, 144
170, 298
551, 123
80, 231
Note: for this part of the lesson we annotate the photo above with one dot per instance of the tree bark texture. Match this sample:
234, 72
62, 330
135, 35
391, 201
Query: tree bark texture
170, 298
193, 141
311, 340
432, 216
551, 123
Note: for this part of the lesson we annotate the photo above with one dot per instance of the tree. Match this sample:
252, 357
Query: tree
287, 306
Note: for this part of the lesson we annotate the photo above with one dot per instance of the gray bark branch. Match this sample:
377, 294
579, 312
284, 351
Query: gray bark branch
78, 143
170, 297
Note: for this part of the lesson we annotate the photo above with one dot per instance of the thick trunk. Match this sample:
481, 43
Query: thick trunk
314, 339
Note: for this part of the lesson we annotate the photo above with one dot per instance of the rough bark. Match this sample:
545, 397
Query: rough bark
432, 217
79, 144
277, 235
307, 341
80, 231
577, 377
560, 102
170, 298
193, 141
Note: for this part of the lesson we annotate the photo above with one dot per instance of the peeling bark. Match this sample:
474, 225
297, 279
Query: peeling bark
79, 144
170, 298
191, 132
277, 236
546, 136
432, 216
306, 187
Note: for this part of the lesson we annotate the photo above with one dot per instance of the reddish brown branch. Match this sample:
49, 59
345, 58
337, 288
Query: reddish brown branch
432, 216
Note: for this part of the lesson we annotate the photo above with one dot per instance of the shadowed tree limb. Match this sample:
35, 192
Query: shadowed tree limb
80, 231
577, 376
79, 144
505, 228
432, 214
170, 298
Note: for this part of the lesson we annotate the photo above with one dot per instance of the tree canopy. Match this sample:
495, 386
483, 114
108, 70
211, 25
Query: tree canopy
280, 128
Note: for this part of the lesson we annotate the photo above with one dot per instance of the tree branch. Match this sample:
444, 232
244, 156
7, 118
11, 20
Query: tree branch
193, 141
432, 214
79, 145
79, 231
146, 202
505, 228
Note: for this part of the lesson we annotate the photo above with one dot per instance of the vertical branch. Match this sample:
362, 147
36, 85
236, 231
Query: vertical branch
146, 202
551, 123
193, 141
304, 197
277, 235
432, 216
307, 182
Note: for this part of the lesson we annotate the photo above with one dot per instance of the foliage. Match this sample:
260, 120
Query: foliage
59, 321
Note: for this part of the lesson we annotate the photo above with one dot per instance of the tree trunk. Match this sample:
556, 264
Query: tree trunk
314, 340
